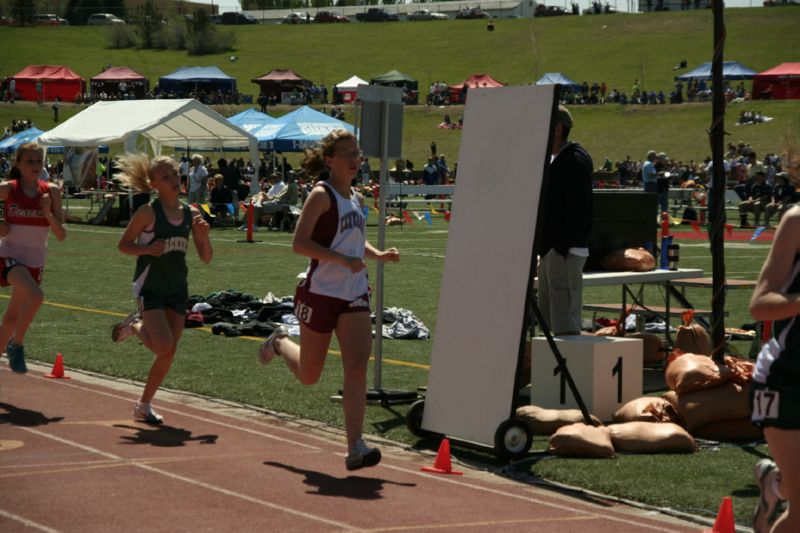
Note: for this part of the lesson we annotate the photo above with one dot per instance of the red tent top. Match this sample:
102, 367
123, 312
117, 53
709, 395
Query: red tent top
280, 74
784, 69
46, 72
118, 73
478, 80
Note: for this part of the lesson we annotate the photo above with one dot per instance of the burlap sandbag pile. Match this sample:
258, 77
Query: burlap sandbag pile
571, 437
712, 400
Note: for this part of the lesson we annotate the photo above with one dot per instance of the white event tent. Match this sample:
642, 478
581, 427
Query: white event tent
162, 123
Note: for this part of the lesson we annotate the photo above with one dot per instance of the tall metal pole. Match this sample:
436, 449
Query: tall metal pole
384, 181
717, 192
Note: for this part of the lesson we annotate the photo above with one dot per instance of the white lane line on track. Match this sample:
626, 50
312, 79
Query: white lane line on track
196, 417
195, 482
27, 523
526, 498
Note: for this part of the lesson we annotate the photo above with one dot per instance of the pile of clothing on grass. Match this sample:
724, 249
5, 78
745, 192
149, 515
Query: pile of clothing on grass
233, 314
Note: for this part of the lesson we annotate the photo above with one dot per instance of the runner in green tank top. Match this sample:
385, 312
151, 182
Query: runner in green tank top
158, 235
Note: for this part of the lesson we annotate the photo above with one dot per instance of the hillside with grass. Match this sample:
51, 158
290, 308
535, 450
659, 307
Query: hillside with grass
615, 49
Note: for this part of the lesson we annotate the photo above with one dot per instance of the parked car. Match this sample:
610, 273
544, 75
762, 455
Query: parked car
103, 19
49, 19
426, 14
234, 17
550, 11
377, 14
472, 13
295, 18
215, 19
330, 16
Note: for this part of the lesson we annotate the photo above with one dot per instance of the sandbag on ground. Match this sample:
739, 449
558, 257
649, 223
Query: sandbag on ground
653, 348
693, 338
728, 401
688, 372
580, 440
647, 437
547, 421
647, 409
730, 431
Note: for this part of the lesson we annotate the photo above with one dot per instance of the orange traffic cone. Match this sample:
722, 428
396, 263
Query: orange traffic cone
441, 465
724, 522
58, 369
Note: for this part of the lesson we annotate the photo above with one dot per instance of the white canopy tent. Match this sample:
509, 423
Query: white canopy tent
161, 122
348, 89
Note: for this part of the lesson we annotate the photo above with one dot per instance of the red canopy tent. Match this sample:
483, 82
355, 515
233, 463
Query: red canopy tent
476, 80
57, 80
109, 81
779, 83
281, 80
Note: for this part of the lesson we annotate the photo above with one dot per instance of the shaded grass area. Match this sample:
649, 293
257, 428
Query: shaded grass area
87, 288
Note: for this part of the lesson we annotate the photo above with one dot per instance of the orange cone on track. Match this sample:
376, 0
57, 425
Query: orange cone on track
441, 465
724, 522
58, 369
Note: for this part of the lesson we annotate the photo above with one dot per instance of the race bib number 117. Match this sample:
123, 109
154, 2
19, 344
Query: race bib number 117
765, 404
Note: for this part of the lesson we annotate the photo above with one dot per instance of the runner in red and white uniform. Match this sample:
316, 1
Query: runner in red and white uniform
32, 209
334, 296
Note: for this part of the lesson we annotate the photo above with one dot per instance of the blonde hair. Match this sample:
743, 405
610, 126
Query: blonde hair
28, 147
136, 170
314, 161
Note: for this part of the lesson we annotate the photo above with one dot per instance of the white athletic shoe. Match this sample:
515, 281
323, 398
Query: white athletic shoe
362, 456
266, 352
122, 330
768, 508
145, 413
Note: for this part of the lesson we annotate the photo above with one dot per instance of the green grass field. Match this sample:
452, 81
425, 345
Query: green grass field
616, 49
87, 284
87, 287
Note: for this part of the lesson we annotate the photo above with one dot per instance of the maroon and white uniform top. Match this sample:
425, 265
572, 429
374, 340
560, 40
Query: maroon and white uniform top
340, 229
27, 240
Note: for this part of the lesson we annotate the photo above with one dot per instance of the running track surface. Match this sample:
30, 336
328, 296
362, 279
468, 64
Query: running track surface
72, 459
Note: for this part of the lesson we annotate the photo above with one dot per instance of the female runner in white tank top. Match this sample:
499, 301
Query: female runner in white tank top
334, 296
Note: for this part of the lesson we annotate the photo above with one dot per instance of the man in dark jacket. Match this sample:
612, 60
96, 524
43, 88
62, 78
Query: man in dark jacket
564, 225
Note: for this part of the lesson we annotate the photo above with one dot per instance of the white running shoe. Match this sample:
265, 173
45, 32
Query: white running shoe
362, 456
144, 412
122, 330
768, 508
266, 351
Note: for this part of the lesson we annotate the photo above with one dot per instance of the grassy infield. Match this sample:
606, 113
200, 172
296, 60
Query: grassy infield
87, 285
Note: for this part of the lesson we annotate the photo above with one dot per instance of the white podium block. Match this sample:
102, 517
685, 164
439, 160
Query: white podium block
607, 372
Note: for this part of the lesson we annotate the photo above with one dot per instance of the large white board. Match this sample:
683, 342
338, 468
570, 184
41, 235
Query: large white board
482, 301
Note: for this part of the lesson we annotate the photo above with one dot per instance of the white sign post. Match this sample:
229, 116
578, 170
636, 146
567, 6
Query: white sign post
381, 127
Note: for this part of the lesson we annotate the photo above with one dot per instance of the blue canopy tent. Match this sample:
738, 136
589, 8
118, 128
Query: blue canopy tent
250, 119
188, 79
10, 144
557, 78
298, 130
731, 70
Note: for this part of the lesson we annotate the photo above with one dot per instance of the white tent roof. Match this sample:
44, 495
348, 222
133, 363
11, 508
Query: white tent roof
161, 122
351, 83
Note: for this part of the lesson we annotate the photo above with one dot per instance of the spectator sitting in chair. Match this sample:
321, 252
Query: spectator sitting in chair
783, 197
760, 196
273, 210
221, 197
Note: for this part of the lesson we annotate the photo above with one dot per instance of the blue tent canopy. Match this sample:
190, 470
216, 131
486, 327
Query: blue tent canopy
250, 119
298, 130
187, 79
557, 78
731, 70
10, 144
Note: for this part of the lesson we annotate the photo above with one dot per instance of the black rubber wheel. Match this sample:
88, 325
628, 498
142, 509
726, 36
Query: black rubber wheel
513, 439
414, 419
